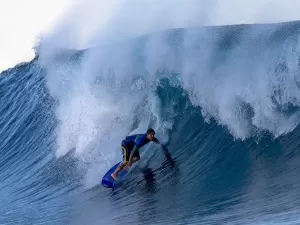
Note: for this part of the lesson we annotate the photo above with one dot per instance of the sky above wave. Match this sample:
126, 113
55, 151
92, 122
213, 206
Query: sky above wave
90, 22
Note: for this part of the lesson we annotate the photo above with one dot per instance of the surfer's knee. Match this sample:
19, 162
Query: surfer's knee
137, 158
123, 164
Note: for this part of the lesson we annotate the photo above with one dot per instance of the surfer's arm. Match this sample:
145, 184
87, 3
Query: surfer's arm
156, 140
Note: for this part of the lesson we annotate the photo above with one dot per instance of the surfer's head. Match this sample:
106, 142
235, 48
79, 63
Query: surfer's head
150, 134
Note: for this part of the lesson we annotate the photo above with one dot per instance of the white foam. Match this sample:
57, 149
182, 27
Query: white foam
101, 99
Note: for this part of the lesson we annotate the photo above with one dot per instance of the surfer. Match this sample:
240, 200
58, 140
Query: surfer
130, 149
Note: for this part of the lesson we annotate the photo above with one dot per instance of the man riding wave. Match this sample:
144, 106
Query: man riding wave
130, 149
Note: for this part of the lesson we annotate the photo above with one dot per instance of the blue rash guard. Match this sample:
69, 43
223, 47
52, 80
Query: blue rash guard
135, 141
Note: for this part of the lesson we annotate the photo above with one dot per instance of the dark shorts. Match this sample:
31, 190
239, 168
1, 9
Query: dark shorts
126, 153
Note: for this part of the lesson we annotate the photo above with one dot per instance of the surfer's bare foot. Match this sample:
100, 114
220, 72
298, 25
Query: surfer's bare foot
114, 176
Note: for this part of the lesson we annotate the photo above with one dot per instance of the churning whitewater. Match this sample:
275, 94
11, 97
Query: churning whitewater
224, 100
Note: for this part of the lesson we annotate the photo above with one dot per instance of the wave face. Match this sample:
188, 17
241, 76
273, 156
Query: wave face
224, 100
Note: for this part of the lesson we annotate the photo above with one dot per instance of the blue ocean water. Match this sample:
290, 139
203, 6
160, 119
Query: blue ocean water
224, 101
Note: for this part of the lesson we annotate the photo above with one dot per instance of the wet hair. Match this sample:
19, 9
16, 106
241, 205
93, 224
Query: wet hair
150, 131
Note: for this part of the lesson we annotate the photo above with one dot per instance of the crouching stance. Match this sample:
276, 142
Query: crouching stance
130, 149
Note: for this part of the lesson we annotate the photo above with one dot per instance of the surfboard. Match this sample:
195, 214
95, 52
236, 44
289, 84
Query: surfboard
108, 181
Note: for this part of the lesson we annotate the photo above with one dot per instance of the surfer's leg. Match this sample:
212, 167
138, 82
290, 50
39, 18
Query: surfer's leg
126, 167
123, 164
134, 160
136, 157
117, 171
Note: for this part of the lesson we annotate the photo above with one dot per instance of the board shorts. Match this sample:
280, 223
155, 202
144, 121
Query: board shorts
127, 151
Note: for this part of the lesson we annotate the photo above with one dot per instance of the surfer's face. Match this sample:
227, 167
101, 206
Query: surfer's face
150, 136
